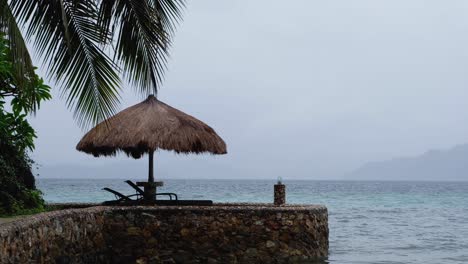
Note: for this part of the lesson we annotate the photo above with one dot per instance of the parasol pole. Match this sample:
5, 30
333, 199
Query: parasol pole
150, 171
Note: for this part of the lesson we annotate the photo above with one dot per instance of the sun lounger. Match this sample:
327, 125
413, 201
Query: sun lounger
122, 199
141, 192
119, 197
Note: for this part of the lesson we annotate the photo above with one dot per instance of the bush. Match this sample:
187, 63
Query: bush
18, 193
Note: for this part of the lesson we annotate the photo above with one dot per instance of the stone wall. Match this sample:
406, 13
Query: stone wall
224, 233
68, 236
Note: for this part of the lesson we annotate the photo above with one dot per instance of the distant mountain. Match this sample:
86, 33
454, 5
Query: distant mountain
434, 165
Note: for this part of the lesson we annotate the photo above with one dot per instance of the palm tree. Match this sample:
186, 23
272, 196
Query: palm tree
87, 46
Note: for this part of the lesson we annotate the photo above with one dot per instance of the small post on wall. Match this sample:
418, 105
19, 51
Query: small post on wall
280, 193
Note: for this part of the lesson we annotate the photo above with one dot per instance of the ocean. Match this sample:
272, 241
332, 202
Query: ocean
369, 222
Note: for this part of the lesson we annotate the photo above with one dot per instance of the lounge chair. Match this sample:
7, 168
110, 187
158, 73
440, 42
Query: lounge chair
119, 197
139, 191
122, 199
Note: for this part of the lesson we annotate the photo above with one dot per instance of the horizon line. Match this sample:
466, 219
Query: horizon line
251, 179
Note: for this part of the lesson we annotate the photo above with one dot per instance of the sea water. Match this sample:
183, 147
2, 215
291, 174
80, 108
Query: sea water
370, 222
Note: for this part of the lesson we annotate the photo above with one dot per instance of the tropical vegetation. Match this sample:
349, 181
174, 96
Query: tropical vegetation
18, 192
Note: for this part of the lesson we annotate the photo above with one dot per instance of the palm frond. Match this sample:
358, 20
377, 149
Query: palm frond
23, 69
73, 38
67, 37
144, 30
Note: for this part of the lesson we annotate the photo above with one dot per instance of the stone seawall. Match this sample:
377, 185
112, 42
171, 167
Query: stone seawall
68, 236
224, 233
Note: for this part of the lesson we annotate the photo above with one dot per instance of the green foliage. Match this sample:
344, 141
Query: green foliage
13, 125
18, 194
88, 44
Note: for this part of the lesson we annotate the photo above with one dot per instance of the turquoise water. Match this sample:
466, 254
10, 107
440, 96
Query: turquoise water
370, 222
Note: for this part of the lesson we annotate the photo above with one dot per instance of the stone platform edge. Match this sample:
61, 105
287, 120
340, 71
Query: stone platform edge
63, 209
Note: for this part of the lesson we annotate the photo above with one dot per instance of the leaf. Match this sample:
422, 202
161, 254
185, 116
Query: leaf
66, 35
144, 29
23, 70
75, 40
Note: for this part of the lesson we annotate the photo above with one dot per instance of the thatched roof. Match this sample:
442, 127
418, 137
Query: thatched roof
148, 126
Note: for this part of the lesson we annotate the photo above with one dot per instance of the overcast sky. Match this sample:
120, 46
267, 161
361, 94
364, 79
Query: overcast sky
301, 89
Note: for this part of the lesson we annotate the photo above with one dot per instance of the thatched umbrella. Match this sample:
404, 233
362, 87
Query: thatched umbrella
147, 127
